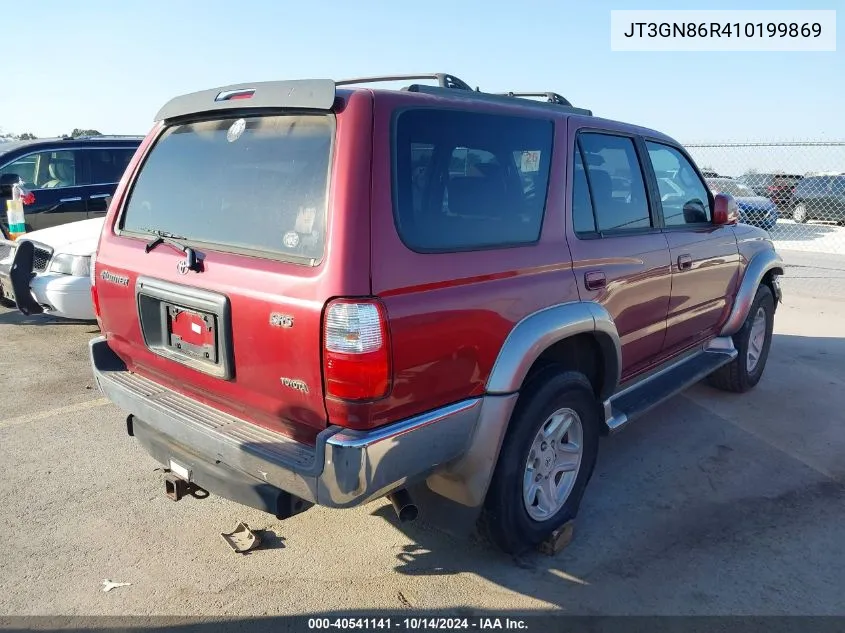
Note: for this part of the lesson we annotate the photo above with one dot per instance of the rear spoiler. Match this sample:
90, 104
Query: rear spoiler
304, 94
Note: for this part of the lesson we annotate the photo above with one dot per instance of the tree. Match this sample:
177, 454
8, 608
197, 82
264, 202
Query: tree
9, 136
77, 133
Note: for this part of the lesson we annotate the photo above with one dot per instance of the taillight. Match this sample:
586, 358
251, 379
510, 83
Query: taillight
356, 350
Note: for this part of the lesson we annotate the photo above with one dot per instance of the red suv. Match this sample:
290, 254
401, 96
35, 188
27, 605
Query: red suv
316, 292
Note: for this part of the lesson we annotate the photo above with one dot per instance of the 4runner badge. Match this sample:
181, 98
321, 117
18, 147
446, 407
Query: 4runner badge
120, 280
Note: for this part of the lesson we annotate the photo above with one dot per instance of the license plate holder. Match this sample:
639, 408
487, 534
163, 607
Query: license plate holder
191, 333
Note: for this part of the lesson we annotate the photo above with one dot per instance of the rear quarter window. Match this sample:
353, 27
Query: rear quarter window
469, 181
257, 185
812, 186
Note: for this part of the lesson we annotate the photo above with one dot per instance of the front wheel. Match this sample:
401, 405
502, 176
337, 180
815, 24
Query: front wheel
546, 461
752, 343
799, 214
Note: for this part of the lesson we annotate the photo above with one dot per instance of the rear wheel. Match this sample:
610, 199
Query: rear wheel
799, 214
752, 343
546, 461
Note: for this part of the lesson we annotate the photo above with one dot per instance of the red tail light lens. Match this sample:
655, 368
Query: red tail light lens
356, 350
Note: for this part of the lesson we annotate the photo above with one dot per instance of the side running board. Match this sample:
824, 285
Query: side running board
634, 401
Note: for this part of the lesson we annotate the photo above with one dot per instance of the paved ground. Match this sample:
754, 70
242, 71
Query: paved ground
712, 504
814, 274
812, 237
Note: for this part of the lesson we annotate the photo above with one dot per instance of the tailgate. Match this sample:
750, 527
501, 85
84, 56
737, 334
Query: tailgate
240, 331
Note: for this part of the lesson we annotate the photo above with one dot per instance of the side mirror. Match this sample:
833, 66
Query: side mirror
7, 181
725, 211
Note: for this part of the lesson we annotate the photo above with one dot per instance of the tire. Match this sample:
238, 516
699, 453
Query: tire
799, 214
741, 374
6, 303
506, 520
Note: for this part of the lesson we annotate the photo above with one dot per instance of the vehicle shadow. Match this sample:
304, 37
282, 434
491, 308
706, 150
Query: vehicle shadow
12, 316
682, 493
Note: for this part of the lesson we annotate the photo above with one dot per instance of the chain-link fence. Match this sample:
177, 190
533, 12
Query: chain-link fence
795, 190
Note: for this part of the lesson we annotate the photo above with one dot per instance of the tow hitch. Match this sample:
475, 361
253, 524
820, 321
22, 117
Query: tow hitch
176, 488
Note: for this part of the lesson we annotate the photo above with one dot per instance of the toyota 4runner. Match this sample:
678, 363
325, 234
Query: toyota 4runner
318, 292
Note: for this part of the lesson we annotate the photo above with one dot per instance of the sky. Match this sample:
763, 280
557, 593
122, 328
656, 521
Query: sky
110, 65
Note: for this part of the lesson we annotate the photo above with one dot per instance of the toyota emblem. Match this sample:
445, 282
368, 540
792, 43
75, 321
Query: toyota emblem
182, 267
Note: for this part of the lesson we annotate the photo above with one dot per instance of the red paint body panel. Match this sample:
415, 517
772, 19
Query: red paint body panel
702, 296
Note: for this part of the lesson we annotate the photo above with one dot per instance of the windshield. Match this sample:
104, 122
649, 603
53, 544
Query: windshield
256, 184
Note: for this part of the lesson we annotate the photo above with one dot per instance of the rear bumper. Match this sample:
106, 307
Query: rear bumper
343, 469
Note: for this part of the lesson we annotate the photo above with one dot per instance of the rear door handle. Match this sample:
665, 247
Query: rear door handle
76, 199
595, 280
97, 196
684, 262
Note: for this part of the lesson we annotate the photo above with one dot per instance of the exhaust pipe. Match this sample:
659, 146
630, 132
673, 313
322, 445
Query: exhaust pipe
403, 505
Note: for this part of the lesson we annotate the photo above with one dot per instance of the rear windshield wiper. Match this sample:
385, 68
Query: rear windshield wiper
171, 239
162, 237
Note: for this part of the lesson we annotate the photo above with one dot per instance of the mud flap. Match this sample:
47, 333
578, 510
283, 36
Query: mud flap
21, 275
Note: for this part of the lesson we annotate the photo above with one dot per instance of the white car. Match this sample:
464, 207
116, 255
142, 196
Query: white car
62, 265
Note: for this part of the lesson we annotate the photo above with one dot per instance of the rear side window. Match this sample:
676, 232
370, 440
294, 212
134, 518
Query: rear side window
257, 185
469, 181
108, 165
812, 186
582, 206
615, 182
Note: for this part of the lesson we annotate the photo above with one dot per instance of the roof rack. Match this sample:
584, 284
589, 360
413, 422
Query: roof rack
444, 80
551, 97
498, 98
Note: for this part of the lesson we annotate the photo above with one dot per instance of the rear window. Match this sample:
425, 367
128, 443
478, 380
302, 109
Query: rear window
469, 181
257, 185
786, 181
757, 180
